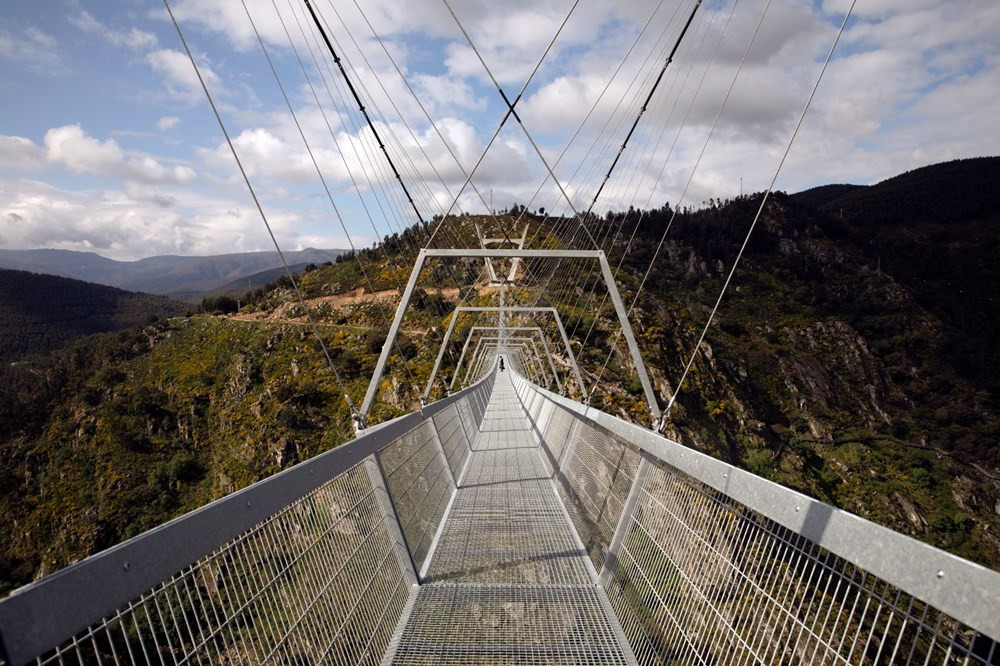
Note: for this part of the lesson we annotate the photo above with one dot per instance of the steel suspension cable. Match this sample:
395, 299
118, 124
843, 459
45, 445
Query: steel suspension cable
467, 294
361, 106
701, 155
340, 152
510, 107
760, 210
602, 132
434, 125
577, 267
319, 172
430, 120
260, 210
634, 180
448, 268
373, 103
336, 83
669, 59
666, 161
503, 231
645, 104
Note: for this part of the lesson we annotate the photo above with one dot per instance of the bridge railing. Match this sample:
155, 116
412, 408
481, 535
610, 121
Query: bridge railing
705, 563
312, 565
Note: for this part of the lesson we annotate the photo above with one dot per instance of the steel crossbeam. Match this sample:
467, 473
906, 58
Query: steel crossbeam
465, 347
474, 253
523, 309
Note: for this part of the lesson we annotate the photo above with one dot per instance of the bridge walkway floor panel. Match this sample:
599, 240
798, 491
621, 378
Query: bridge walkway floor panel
509, 581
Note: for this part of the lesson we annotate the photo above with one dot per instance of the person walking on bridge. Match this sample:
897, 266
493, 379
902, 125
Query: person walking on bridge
501, 364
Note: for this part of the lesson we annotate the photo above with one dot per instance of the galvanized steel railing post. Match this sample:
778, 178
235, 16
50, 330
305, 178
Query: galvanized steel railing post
476, 369
511, 329
501, 319
527, 346
640, 367
390, 339
472, 363
598, 255
562, 334
373, 466
632, 501
541, 363
552, 365
458, 366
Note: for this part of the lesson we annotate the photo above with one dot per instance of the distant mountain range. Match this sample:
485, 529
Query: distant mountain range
182, 278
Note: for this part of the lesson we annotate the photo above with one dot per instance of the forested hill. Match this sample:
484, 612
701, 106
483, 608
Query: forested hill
935, 231
953, 192
850, 360
39, 313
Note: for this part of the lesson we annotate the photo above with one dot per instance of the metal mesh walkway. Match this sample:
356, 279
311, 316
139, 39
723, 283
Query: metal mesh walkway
508, 579
507, 524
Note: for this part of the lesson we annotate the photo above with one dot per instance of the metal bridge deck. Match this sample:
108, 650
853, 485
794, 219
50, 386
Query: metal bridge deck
508, 579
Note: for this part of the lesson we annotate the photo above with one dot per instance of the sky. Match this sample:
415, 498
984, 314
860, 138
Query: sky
108, 143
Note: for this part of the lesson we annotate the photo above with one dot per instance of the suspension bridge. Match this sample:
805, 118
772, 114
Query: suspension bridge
507, 520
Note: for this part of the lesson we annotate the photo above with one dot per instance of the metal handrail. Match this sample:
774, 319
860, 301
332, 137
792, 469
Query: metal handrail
968, 592
44, 615
39, 616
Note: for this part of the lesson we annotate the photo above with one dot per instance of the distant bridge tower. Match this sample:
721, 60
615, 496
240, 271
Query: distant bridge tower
514, 263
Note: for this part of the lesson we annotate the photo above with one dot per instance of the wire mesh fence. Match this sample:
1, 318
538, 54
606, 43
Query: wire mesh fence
322, 578
416, 473
453, 432
316, 582
702, 579
698, 577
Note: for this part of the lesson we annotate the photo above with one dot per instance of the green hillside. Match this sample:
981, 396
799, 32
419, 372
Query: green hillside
39, 313
825, 371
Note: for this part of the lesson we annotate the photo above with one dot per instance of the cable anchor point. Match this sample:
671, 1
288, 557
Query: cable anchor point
660, 425
360, 422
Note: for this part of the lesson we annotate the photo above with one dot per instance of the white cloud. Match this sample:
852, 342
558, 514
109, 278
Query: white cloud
447, 93
167, 122
72, 148
914, 82
19, 154
180, 77
900, 94
32, 47
139, 222
389, 17
132, 38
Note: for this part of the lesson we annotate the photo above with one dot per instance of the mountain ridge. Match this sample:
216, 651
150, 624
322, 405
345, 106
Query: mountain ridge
184, 277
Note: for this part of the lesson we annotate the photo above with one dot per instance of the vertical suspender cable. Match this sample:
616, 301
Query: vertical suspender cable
260, 209
645, 105
760, 210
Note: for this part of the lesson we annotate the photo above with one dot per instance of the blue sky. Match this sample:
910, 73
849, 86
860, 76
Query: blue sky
107, 143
